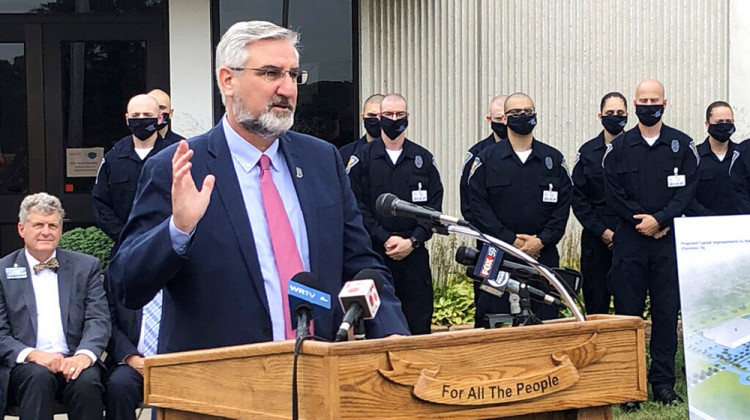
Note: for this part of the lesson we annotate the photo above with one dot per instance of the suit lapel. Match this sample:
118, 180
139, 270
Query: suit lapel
28, 291
306, 191
221, 166
65, 287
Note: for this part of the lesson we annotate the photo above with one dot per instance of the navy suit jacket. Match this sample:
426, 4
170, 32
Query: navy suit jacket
83, 307
126, 329
214, 294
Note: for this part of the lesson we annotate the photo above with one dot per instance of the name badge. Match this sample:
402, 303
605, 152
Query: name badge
419, 195
675, 181
549, 196
13, 273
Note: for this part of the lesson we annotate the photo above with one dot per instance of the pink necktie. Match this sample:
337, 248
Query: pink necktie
288, 261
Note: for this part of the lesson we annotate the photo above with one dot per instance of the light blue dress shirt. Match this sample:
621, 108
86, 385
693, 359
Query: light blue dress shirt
245, 158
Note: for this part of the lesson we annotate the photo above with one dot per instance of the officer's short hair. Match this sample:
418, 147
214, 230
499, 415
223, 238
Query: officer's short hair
42, 203
232, 49
716, 104
613, 95
375, 98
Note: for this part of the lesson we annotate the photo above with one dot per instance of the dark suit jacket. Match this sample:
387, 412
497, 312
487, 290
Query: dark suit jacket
83, 307
126, 329
214, 295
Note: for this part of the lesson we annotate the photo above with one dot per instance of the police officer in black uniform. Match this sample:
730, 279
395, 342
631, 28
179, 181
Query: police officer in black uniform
369, 116
393, 164
714, 194
589, 206
650, 175
520, 193
117, 179
496, 118
166, 111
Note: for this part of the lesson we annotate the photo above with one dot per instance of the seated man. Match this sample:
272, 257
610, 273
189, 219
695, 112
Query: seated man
134, 336
54, 321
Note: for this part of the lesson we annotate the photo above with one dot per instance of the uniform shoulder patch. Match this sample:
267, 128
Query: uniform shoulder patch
353, 161
735, 156
96, 180
474, 166
578, 158
606, 152
695, 151
467, 159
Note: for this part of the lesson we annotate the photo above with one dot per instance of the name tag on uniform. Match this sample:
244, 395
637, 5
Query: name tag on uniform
419, 195
675, 181
13, 273
549, 196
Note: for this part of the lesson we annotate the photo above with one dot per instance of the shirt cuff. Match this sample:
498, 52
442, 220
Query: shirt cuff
180, 239
88, 353
24, 354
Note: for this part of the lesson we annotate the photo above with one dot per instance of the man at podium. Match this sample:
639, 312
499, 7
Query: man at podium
221, 222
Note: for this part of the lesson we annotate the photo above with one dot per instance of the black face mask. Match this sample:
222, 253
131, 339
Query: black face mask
393, 128
142, 128
164, 121
721, 131
614, 124
521, 124
500, 129
649, 115
372, 126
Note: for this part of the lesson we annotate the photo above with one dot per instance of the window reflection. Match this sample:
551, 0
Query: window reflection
327, 103
14, 157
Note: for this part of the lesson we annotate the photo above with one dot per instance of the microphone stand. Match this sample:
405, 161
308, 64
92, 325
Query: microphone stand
548, 275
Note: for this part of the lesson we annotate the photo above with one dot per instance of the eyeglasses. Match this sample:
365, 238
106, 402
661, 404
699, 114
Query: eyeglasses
515, 112
274, 74
394, 115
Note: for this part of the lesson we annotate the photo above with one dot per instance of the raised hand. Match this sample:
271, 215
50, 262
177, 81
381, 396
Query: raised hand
188, 204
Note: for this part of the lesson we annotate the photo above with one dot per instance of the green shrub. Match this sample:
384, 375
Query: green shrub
91, 241
454, 301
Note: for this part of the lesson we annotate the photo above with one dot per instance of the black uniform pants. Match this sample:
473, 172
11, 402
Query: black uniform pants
34, 389
412, 280
641, 265
490, 304
596, 261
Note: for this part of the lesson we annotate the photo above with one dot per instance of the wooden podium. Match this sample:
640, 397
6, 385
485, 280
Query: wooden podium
564, 369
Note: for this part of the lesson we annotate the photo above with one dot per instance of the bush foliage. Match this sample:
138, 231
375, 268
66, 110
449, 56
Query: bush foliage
454, 301
91, 241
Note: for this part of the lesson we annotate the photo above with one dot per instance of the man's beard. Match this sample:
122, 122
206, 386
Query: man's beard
271, 124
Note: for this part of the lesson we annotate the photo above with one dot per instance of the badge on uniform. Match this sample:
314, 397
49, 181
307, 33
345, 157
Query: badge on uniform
15, 273
675, 145
549, 196
675, 181
418, 162
353, 160
419, 195
548, 162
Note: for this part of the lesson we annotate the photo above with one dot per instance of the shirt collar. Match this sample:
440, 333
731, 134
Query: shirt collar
245, 153
33, 261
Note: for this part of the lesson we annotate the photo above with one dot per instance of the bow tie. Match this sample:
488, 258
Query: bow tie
51, 263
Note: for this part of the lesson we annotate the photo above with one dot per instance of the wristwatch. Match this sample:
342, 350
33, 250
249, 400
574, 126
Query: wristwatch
415, 243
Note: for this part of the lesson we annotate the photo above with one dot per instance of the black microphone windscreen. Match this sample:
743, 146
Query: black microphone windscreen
306, 278
467, 255
371, 274
384, 204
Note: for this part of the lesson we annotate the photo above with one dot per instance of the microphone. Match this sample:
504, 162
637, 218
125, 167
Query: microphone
359, 299
305, 301
471, 257
388, 205
504, 283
